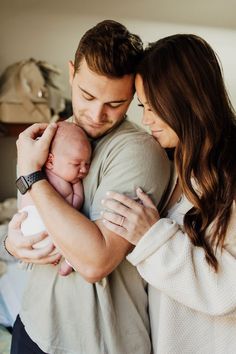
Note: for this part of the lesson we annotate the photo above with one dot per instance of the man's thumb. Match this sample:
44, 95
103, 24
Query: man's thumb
17, 219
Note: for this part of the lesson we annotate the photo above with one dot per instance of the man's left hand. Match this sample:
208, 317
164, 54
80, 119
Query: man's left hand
32, 153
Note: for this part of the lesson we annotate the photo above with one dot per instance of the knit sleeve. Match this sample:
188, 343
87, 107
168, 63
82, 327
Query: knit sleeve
167, 260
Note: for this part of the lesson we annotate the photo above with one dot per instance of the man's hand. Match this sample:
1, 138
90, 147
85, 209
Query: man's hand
21, 246
32, 153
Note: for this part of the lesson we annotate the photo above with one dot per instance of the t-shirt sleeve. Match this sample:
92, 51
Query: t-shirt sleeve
130, 164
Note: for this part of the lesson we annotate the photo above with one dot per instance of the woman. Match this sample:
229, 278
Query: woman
187, 251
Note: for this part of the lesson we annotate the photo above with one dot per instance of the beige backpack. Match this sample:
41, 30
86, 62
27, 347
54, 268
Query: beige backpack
24, 94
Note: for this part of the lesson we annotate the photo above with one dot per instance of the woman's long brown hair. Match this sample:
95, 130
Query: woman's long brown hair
183, 84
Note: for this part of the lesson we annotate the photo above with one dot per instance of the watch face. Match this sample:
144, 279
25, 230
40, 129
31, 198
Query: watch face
22, 185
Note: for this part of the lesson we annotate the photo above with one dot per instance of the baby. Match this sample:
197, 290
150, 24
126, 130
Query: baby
67, 164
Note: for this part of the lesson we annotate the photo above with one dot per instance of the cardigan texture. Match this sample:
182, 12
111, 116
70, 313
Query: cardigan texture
192, 308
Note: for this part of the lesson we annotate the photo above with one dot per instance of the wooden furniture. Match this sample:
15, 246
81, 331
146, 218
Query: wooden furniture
12, 129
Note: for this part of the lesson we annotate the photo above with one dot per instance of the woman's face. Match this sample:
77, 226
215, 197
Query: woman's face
160, 130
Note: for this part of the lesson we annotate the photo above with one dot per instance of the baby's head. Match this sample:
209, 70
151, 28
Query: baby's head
70, 153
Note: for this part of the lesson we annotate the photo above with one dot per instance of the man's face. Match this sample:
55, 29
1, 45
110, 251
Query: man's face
99, 103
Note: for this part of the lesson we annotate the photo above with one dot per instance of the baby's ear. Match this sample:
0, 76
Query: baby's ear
49, 162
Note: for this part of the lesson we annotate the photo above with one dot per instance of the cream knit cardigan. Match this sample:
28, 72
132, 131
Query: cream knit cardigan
192, 308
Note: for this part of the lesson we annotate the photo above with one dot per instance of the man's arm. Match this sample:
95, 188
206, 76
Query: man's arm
64, 188
93, 253
91, 249
80, 240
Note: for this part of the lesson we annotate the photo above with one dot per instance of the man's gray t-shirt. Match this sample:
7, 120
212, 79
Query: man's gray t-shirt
68, 315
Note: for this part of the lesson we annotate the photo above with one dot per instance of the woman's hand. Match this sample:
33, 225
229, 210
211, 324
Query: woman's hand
128, 218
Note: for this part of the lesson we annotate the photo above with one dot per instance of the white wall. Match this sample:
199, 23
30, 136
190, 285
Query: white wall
54, 36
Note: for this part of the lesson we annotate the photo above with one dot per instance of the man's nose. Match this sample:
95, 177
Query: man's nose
97, 112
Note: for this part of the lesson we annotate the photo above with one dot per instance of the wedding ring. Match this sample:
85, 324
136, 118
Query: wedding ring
122, 221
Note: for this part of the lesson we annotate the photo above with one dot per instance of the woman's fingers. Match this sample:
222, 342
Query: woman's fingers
116, 206
129, 202
122, 231
128, 218
119, 230
123, 199
115, 218
145, 199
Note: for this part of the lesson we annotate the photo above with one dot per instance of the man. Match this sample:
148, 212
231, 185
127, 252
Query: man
102, 307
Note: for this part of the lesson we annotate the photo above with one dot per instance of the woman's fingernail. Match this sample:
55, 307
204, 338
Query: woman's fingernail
139, 190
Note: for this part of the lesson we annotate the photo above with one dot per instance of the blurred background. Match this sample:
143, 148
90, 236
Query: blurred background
50, 30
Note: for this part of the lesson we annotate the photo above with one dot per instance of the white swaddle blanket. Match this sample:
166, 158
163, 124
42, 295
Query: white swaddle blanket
33, 224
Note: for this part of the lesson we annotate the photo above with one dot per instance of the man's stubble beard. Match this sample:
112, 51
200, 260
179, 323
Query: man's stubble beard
77, 121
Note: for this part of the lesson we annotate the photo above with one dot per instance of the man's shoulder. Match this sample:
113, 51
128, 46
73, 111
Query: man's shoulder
128, 133
130, 146
128, 126
134, 138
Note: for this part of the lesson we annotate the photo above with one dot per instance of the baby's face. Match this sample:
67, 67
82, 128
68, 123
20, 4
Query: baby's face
72, 166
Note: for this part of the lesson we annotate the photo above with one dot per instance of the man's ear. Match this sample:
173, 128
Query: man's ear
71, 71
49, 162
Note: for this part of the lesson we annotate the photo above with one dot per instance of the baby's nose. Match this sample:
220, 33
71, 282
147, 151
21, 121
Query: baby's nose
83, 169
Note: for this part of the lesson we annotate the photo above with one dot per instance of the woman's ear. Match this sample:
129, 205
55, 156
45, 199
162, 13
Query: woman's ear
71, 71
49, 162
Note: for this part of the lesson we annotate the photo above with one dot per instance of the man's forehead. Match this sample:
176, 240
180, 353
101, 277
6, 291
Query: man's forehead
100, 86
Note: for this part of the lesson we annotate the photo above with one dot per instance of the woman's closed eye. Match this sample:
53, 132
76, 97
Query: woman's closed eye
145, 108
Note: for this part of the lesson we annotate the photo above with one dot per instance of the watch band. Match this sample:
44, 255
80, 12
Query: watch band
24, 183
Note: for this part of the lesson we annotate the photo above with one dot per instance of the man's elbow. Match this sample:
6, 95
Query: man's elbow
93, 274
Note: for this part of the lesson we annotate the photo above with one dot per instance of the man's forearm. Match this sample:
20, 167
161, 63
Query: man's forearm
80, 240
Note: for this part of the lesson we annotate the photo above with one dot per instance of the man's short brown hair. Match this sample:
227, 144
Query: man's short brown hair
109, 49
